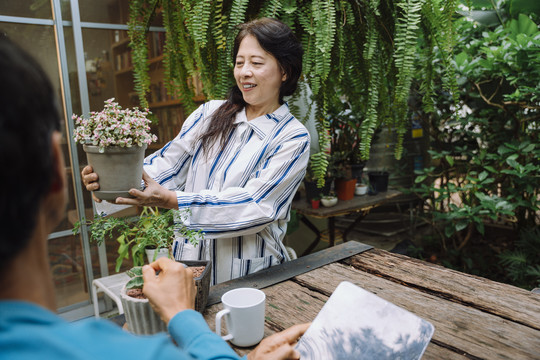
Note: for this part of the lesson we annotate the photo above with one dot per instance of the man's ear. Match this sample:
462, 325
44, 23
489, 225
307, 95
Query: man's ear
59, 177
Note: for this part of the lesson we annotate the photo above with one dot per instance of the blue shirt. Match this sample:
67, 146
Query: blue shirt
28, 331
240, 197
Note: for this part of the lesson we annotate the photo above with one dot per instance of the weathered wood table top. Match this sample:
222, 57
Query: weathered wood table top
474, 318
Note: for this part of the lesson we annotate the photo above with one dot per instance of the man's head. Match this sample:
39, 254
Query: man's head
28, 120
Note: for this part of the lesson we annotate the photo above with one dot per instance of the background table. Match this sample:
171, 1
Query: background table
474, 318
359, 205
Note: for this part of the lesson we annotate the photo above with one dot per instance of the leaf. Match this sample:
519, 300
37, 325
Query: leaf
483, 175
450, 160
524, 7
484, 17
135, 283
523, 25
462, 224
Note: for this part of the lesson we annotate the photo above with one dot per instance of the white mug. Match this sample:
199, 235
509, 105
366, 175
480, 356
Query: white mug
244, 314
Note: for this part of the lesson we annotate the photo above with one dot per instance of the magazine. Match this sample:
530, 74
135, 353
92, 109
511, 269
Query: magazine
356, 324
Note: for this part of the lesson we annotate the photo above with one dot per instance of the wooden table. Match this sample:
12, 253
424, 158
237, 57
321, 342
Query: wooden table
474, 318
360, 205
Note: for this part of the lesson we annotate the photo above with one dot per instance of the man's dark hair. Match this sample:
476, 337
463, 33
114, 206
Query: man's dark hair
28, 117
276, 38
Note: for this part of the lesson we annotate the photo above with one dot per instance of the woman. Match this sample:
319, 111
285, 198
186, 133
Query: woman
236, 164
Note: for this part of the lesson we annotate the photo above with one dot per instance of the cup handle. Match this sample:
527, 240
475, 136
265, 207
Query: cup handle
219, 315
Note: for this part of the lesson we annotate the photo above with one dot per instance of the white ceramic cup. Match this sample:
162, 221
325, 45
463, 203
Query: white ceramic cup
244, 314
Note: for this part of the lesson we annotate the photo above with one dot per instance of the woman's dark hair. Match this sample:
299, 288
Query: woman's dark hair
277, 39
28, 116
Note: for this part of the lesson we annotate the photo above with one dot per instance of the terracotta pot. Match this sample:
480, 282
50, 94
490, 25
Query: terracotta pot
345, 189
315, 204
119, 169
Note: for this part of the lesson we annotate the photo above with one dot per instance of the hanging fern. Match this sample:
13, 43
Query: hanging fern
271, 9
141, 12
363, 52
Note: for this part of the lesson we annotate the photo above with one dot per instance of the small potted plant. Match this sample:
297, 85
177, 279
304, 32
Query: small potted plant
140, 317
315, 202
114, 140
329, 200
151, 230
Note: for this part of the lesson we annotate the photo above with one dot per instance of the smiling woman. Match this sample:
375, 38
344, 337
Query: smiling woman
236, 164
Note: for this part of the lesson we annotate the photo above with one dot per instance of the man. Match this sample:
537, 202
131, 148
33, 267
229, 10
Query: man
33, 198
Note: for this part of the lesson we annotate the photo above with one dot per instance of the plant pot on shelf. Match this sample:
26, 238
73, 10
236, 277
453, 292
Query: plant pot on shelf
315, 204
312, 191
378, 181
154, 254
345, 188
357, 170
119, 169
329, 201
361, 189
141, 318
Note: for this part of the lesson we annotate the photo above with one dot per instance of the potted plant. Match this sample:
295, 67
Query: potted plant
152, 229
114, 140
361, 189
329, 200
344, 181
315, 202
378, 181
140, 317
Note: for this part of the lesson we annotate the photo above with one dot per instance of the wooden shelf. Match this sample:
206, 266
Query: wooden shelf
120, 43
165, 103
125, 71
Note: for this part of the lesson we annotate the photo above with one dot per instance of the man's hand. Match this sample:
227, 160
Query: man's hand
170, 291
280, 345
90, 180
153, 195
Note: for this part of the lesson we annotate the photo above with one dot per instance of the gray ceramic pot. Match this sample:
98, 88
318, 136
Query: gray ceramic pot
140, 316
119, 169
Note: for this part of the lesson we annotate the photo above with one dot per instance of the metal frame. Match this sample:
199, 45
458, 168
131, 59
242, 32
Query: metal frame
82, 309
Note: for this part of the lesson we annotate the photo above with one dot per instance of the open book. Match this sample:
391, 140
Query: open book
356, 324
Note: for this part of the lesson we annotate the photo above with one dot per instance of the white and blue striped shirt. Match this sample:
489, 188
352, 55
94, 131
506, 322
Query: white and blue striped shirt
239, 197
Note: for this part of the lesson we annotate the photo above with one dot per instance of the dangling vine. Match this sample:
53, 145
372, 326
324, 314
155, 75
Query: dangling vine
361, 51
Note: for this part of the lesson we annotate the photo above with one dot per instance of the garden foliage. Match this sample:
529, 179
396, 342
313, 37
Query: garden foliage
486, 152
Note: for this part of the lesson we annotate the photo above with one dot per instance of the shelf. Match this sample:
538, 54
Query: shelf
124, 71
165, 103
120, 43
198, 98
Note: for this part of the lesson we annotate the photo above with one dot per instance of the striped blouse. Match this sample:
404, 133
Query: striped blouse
239, 197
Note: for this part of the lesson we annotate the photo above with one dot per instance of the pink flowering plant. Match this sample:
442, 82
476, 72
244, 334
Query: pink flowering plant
114, 126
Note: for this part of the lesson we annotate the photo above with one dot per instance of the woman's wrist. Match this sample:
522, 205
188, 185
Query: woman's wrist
171, 201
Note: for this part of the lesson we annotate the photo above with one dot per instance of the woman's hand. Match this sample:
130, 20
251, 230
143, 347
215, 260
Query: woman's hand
172, 290
280, 345
153, 195
90, 180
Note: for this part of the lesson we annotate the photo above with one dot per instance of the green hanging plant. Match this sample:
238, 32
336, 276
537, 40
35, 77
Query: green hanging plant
367, 52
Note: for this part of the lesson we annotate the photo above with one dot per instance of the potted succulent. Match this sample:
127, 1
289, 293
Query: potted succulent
140, 317
329, 200
114, 140
152, 229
